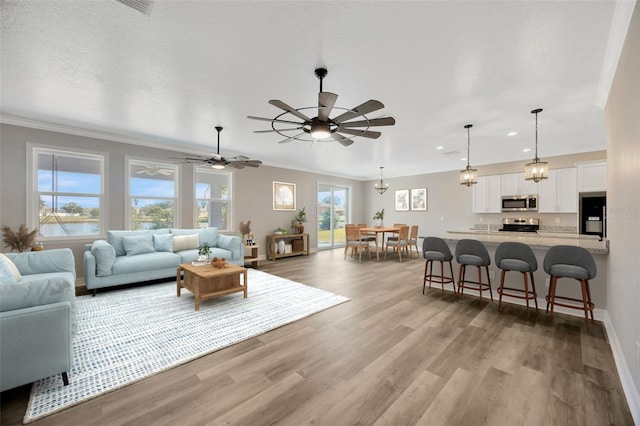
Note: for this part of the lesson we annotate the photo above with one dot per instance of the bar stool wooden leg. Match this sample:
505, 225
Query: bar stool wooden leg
584, 303
526, 292
461, 275
489, 283
589, 299
453, 283
480, 283
500, 290
535, 293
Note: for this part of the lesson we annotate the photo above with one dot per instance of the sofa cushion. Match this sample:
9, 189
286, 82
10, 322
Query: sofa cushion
206, 235
163, 242
105, 255
185, 242
115, 238
138, 244
191, 255
145, 262
8, 270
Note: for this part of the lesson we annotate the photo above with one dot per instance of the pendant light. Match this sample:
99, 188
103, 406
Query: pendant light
218, 165
468, 176
536, 170
381, 187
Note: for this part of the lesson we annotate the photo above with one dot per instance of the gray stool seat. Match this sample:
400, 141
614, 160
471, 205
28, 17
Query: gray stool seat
437, 256
564, 261
437, 250
569, 271
517, 257
471, 259
473, 253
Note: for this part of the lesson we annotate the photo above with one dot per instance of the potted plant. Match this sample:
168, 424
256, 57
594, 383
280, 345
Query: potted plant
298, 220
379, 216
204, 251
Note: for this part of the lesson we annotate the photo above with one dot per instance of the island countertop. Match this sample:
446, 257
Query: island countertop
535, 240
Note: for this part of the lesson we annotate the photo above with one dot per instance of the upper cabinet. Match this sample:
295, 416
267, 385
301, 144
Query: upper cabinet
515, 184
558, 193
486, 195
592, 177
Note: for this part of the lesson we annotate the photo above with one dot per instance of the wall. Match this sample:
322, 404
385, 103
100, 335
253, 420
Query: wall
622, 114
252, 187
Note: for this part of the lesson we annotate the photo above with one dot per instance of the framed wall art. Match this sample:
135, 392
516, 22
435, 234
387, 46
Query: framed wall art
419, 199
402, 200
284, 196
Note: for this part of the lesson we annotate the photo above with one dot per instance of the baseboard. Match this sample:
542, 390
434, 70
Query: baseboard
628, 386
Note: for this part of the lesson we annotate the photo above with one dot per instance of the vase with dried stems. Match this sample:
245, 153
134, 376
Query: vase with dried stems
21, 241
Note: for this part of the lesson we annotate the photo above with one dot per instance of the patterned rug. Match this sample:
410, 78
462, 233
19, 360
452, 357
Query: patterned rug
127, 335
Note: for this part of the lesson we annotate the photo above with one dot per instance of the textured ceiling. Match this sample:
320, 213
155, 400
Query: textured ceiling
169, 76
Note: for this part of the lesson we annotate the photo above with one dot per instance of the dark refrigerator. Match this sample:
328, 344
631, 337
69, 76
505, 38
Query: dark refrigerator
593, 207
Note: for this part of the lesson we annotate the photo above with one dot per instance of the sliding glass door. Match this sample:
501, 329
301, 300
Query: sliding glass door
333, 212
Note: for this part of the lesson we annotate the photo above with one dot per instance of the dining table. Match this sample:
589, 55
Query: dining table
376, 231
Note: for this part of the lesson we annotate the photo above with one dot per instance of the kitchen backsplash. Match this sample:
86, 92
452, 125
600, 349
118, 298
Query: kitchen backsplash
559, 229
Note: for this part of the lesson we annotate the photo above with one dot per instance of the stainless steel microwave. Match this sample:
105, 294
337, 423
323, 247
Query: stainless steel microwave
520, 203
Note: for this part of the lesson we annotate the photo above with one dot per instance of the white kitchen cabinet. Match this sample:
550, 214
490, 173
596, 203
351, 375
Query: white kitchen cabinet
592, 177
558, 193
515, 184
486, 195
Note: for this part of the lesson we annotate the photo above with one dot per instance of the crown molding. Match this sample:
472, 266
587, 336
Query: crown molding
619, 26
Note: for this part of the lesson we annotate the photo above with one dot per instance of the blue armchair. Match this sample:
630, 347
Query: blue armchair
37, 318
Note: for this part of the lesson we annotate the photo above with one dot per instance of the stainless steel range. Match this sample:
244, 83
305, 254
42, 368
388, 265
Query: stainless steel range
520, 224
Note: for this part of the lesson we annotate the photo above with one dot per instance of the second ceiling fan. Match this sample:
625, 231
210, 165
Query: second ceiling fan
322, 127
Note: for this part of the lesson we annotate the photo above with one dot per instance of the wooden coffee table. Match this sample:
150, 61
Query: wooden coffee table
207, 282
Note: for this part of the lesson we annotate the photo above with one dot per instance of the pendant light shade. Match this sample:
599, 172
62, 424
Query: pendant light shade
468, 176
381, 187
536, 170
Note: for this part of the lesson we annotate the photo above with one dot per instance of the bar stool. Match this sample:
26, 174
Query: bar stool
570, 262
517, 257
473, 253
435, 249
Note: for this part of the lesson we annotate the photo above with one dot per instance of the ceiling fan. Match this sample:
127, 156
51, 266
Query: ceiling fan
217, 161
154, 171
321, 127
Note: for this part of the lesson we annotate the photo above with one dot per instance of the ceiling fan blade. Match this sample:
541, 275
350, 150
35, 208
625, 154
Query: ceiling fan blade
364, 133
289, 139
279, 130
344, 141
287, 108
274, 120
386, 121
370, 106
245, 163
326, 101
237, 158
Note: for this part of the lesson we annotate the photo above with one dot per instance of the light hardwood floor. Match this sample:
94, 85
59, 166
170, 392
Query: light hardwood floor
390, 356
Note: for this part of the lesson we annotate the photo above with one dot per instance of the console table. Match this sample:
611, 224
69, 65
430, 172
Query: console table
299, 243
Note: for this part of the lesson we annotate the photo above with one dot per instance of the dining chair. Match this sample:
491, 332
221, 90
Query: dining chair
413, 240
394, 237
355, 242
365, 235
401, 244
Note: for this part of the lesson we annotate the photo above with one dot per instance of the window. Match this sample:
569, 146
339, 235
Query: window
152, 194
68, 193
213, 198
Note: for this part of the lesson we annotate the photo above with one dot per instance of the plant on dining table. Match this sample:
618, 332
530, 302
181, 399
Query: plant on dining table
379, 215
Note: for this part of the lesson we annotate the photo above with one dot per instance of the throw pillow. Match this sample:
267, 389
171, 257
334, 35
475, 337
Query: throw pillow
139, 244
105, 256
163, 242
8, 270
185, 242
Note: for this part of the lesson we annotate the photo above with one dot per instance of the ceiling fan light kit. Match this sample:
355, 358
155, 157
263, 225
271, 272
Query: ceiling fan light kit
536, 170
322, 127
468, 176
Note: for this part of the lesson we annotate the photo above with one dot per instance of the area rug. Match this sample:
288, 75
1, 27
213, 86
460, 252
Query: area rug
127, 335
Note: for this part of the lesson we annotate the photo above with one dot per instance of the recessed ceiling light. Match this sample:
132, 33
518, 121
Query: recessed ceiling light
512, 133
526, 150
463, 159
439, 147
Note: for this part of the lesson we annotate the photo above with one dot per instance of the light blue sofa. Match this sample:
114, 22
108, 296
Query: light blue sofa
134, 256
37, 318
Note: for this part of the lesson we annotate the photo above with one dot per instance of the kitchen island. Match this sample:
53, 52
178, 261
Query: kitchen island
540, 243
